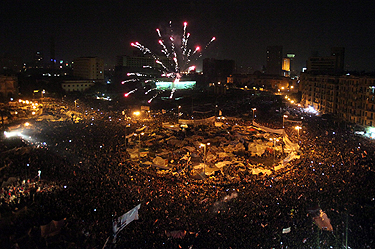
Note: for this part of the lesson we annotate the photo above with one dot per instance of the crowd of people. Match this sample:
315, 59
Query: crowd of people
96, 184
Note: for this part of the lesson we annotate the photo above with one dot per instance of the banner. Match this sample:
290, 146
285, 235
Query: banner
120, 222
289, 144
269, 130
205, 121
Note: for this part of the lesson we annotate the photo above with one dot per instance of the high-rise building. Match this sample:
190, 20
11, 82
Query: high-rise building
52, 53
327, 64
339, 54
38, 60
217, 70
10, 64
274, 60
89, 68
286, 67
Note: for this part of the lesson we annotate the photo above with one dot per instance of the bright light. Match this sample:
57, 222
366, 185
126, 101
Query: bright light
298, 127
27, 124
12, 134
137, 113
311, 109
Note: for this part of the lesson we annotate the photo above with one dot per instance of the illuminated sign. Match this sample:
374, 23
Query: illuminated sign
169, 85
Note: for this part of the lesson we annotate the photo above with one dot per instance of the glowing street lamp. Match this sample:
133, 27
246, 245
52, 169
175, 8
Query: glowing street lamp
126, 125
178, 113
204, 156
139, 144
254, 109
298, 128
137, 113
274, 145
284, 117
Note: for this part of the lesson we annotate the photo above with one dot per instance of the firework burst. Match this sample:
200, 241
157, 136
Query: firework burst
177, 55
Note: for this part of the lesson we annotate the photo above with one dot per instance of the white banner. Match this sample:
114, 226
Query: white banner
120, 222
270, 130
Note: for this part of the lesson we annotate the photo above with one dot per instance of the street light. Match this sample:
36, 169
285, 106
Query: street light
124, 113
274, 145
75, 103
26, 170
254, 109
284, 116
178, 113
298, 128
204, 156
139, 144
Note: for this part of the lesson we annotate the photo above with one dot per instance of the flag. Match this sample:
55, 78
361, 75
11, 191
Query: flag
323, 222
286, 230
180, 234
51, 229
120, 222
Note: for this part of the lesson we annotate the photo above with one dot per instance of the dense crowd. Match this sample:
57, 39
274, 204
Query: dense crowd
96, 184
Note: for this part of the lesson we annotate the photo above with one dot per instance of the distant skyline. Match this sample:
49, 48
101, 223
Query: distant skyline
243, 29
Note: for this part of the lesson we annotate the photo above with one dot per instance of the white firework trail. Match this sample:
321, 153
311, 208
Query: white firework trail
128, 93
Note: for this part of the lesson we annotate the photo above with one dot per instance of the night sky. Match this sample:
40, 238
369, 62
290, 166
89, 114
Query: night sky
243, 29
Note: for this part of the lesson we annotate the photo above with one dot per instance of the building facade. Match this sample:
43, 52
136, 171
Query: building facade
8, 87
215, 70
350, 98
89, 68
328, 64
77, 85
274, 60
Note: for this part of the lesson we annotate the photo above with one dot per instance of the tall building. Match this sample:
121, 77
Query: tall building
139, 61
89, 68
327, 64
38, 60
339, 54
217, 70
52, 53
350, 98
286, 67
274, 60
10, 64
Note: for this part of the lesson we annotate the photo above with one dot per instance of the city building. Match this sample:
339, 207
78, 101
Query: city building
274, 60
286, 67
8, 87
11, 64
77, 85
139, 61
215, 71
89, 68
350, 98
38, 60
269, 82
327, 64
